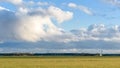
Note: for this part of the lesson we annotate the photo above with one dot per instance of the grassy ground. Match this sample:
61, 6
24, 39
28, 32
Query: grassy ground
60, 62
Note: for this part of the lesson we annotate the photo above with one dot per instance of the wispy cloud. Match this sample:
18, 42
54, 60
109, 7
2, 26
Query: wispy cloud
16, 2
113, 2
81, 8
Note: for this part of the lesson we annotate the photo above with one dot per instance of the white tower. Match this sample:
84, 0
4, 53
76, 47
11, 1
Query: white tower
101, 51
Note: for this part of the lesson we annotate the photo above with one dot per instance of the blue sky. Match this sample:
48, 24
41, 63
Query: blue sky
103, 12
68, 25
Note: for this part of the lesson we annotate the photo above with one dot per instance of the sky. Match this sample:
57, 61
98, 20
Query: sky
60, 26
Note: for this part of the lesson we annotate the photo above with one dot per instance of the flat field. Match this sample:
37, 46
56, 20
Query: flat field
59, 62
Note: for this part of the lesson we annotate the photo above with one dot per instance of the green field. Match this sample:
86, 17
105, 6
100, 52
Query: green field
60, 62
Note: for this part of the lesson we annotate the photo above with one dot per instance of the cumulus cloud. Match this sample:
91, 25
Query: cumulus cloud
31, 24
53, 12
81, 8
36, 25
36, 28
59, 14
31, 30
99, 32
7, 24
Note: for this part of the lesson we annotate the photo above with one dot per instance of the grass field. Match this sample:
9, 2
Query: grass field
60, 62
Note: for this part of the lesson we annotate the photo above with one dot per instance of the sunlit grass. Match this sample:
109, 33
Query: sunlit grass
60, 62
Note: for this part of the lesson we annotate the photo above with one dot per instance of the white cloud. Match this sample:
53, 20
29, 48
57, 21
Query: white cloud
81, 8
31, 24
86, 10
113, 2
59, 14
2, 8
36, 28
72, 5
42, 3
22, 10
99, 32
16, 2
37, 4
36, 25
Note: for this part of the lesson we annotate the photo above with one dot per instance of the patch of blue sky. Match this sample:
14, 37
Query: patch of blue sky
8, 6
